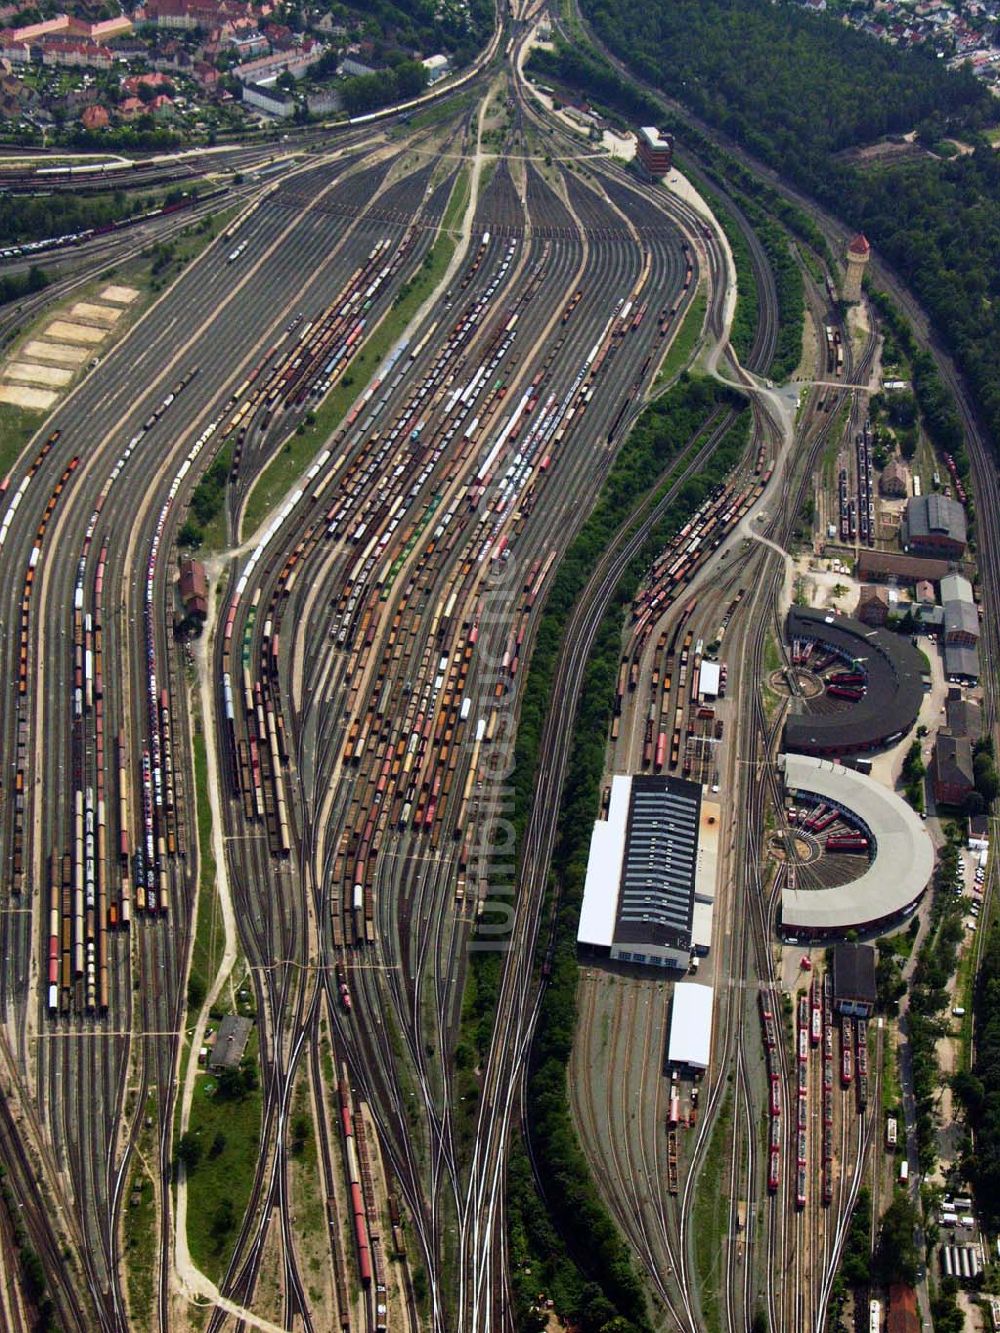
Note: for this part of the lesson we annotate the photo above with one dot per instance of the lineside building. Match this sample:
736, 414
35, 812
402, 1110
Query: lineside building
690, 1043
651, 873
655, 151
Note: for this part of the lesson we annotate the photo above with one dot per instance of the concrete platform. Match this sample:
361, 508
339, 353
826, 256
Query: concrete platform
63, 331
102, 315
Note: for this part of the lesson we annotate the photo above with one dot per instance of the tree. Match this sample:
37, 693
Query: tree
300, 1134
896, 1258
235, 1085
188, 1151
223, 1221
974, 804
195, 992
987, 782
190, 535
968, 1088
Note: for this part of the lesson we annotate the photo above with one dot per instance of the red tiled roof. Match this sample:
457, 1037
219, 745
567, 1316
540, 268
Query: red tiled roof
859, 246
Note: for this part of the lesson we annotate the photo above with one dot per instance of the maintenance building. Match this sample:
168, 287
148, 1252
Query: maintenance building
651, 874
655, 150
690, 1041
935, 525
854, 989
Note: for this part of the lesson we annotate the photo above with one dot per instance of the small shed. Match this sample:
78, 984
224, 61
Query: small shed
194, 589
230, 1042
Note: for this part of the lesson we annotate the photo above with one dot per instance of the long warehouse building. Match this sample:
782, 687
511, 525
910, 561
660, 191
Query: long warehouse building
897, 875
651, 874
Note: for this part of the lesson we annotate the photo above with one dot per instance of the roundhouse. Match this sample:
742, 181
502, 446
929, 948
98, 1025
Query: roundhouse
893, 686
897, 875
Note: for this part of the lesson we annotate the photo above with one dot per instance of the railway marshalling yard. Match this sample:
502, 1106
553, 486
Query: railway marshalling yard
297, 801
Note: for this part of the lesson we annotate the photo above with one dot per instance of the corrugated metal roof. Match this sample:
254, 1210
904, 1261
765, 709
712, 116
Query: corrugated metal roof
658, 870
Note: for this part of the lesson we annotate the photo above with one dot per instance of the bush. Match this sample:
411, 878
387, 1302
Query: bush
189, 1151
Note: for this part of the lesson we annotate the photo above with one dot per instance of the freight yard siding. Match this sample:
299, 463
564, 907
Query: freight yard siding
893, 691
895, 879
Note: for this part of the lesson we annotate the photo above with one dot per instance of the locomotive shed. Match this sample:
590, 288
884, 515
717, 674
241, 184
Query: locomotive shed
893, 690
650, 882
898, 873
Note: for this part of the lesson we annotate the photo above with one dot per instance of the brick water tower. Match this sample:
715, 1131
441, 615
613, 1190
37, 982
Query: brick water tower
858, 255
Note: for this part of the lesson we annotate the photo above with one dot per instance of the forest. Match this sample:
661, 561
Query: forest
796, 89
980, 1089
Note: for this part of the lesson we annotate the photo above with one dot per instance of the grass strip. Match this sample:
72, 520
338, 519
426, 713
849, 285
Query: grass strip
227, 1131
711, 1218
682, 348
209, 937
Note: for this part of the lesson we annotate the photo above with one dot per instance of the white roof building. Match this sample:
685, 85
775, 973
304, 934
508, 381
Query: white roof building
436, 66
691, 1025
604, 868
711, 677
897, 875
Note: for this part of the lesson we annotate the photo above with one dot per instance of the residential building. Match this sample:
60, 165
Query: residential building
952, 774
294, 62
873, 605
352, 68
94, 118
131, 85
895, 479
324, 102
268, 100
206, 75
72, 53
14, 48
247, 45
